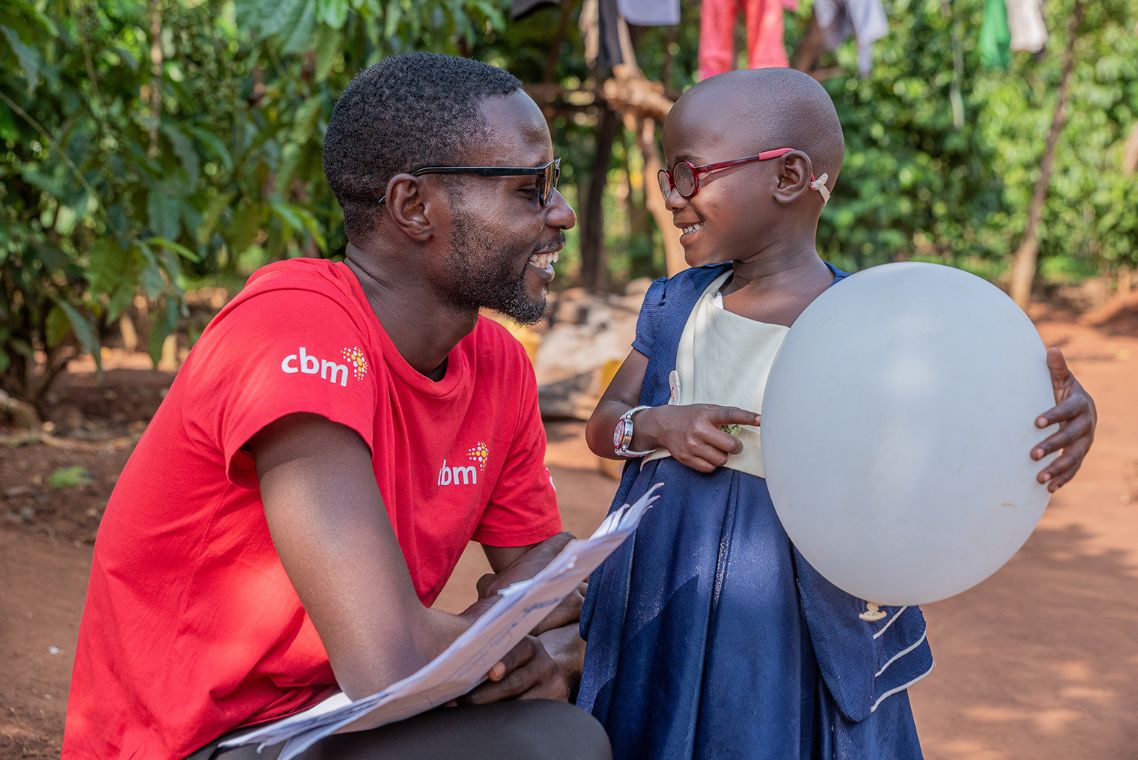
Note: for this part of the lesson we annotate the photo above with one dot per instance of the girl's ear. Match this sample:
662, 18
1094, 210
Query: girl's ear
794, 177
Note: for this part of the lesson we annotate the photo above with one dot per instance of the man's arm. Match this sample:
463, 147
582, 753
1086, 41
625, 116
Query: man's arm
336, 543
334, 538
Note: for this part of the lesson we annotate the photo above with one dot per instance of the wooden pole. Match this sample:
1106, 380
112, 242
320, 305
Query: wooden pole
1027, 254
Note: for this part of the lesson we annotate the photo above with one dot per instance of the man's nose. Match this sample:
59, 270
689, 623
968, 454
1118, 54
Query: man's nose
560, 214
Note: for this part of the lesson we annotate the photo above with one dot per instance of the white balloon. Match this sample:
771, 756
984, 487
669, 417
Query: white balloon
897, 424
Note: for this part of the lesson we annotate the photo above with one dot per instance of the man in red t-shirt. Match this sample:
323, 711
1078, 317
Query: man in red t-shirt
337, 436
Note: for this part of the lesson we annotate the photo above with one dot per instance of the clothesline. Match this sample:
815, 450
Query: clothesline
1007, 25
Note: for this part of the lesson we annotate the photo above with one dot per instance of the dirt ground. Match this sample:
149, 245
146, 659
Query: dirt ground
1040, 661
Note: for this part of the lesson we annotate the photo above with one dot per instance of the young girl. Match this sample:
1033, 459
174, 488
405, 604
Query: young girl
708, 634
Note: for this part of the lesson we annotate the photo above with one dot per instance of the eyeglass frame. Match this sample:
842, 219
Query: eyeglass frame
545, 196
818, 183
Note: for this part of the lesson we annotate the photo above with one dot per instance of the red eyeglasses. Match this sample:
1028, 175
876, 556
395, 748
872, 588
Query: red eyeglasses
684, 176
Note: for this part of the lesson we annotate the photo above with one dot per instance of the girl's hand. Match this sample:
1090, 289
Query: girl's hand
692, 433
1075, 412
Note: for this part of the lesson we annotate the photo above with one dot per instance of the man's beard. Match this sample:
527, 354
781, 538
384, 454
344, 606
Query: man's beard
482, 276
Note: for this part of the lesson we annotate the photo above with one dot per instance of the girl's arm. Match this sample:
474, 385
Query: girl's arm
692, 434
621, 395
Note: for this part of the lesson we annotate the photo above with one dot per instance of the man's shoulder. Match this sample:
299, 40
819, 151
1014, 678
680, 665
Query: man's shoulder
320, 275
277, 286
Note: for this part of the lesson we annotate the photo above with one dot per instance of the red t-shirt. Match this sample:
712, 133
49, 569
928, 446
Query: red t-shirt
191, 627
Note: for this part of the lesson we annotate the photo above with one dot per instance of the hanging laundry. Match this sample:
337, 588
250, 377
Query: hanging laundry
1025, 20
864, 19
609, 24
765, 48
995, 38
651, 12
522, 8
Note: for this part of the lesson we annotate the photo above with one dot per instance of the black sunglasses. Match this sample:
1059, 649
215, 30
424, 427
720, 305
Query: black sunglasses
547, 175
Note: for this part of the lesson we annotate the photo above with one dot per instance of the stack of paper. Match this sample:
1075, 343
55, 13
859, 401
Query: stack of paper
465, 663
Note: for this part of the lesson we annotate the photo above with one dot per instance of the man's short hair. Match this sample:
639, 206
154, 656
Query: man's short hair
403, 113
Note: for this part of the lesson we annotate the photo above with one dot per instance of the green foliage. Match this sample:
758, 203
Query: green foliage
127, 166
919, 183
70, 477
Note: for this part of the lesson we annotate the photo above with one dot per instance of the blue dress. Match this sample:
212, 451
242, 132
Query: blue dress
709, 636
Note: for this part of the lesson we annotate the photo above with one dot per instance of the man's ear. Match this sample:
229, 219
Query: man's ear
794, 173
410, 204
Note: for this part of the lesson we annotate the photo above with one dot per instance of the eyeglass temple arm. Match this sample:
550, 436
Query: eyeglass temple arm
816, 183
766, 155
485, 171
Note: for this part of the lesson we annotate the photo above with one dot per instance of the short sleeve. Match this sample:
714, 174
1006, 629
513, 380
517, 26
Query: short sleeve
523, 506
278, 353
646, 320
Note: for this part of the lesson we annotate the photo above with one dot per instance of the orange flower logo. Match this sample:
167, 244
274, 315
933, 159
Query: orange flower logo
479, 453
356, 360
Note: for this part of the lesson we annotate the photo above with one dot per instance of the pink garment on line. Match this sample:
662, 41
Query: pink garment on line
765, 47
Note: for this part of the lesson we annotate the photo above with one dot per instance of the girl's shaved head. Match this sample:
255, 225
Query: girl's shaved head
769, 108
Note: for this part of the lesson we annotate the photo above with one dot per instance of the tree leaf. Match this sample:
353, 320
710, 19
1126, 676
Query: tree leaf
245, 227
152, 283
304, 126
8, 128
311, 225
332, 13
288, 215
279, 17
58, 328
163, 211
393, 12
214, 145
213, 211
83, 329
300, 38
177, 248
328, 43
290, 159
160, 328
184, 150
112, 268
30, 61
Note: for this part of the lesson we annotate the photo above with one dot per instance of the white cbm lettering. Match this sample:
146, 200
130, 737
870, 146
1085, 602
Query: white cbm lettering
459, 476
329, 371
307, 364
464, 476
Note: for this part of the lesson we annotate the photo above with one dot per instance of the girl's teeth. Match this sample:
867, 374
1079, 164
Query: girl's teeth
690, 229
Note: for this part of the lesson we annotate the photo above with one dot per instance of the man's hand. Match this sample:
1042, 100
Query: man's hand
547, 663
527, 671
1075, 412
693, 433
529, 564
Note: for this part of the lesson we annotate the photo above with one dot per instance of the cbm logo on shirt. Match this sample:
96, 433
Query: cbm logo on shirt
334, 372
458, 475
466, 475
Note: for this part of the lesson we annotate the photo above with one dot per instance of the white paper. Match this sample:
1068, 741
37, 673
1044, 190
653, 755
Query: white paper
465, 663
